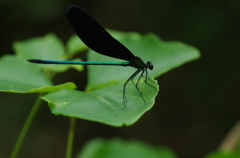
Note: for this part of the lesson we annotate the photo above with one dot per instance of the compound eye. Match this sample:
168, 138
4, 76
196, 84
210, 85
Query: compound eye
150, 65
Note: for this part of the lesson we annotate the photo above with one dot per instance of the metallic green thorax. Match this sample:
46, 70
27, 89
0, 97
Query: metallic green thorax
139, 64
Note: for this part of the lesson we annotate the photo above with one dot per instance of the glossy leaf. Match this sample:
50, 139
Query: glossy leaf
48, 47
164, 56
102, 101
118, 148
19, 76
75, 45
104, 104
223, 154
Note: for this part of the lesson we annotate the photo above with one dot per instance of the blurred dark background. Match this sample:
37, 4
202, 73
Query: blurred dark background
197, 104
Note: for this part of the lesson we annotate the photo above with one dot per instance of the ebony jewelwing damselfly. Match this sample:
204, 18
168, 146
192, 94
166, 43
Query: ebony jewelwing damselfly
99, 40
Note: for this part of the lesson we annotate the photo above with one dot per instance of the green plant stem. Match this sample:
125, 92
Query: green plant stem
26, 126
72, 122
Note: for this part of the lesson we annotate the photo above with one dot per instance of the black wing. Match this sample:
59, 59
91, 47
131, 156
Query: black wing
94, 35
